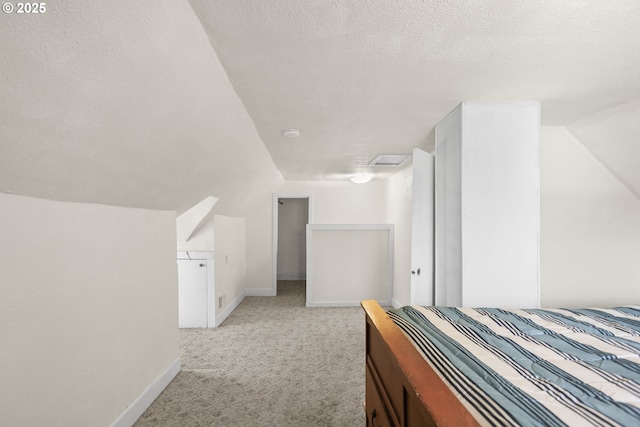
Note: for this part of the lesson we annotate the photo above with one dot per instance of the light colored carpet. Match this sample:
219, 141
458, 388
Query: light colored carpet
273, 362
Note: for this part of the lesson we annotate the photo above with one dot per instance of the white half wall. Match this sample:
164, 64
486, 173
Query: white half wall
348, 263
590, 223
88, 310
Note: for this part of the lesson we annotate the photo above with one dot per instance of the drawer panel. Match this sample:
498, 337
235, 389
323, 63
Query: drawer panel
376, 411
387, 371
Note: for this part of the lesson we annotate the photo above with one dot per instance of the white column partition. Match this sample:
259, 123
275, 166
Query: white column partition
487, 205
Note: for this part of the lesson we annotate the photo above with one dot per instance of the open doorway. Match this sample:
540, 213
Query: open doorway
290, 219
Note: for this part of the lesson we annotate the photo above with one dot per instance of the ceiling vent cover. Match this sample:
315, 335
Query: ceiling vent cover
390, 160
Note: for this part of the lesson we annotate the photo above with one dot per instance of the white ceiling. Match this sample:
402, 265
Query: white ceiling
360, 78
123, 103
148, 104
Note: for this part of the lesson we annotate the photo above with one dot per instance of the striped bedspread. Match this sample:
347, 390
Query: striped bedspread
543, 367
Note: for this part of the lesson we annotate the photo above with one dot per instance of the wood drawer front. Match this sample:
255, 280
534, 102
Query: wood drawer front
416, 414
387, 372
376, 411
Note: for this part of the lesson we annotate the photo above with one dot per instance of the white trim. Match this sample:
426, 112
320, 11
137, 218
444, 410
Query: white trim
298, 276
396, 304
146, 398
343, 304
346, 227
227, 311
274, 237
260, 292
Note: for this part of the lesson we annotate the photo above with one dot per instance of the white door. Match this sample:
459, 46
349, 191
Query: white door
422, 228
192, 293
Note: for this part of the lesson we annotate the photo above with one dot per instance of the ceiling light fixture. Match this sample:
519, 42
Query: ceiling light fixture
362, 178
291, 133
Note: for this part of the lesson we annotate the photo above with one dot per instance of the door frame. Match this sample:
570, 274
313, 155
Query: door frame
422, 228
274, 239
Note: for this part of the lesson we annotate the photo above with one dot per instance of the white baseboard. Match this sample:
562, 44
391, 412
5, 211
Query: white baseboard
300, 276
146, 398
227, 311
260, 292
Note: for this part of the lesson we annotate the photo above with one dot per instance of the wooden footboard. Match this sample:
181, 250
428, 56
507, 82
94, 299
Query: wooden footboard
401, 387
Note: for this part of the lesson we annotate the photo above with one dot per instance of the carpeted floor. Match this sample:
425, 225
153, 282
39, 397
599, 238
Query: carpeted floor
273, 362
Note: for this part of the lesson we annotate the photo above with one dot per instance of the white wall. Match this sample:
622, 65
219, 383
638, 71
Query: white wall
292, 221
611, 136
202, 240
399, 202
589, 231
259, 229
342, 202
229, 260
88, 309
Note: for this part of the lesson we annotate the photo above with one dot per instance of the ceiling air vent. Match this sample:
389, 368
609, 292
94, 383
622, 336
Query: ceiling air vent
390, 160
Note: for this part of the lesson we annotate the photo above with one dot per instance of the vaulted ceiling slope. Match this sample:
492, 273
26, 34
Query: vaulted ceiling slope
123, 103
359, 78
613, 136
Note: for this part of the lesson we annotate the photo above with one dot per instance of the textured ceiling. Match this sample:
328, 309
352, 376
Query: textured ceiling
358, 78
161, 103
123, 103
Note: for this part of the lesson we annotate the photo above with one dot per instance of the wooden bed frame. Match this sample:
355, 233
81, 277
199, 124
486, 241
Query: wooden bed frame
402, 389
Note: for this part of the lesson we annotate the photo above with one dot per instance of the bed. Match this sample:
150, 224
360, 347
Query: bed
443, 366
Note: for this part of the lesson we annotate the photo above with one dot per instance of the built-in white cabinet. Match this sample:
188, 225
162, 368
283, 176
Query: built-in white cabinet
196, 292
487, 206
